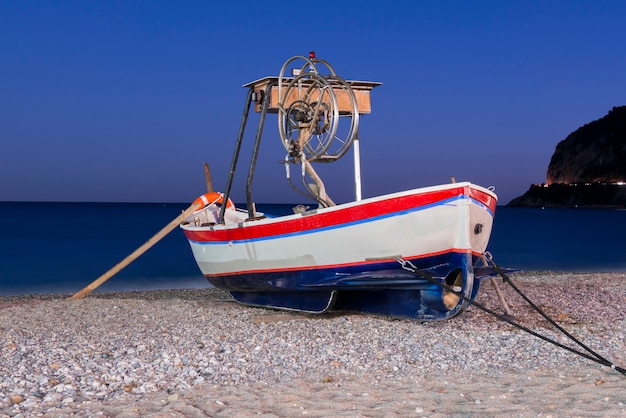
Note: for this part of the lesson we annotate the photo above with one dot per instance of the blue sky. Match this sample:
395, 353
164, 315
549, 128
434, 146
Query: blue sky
124, 100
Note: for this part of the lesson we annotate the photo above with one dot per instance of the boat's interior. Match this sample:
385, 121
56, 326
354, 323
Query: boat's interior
210, 215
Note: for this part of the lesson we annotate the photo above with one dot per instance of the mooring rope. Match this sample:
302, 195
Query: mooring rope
407, 265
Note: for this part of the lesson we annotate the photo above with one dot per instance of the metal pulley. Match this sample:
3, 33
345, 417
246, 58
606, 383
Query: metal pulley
317, 110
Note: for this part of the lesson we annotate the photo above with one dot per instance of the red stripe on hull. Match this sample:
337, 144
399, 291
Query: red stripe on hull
338, 217
484, 198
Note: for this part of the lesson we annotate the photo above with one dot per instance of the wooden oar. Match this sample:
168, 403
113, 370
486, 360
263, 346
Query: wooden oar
139, 251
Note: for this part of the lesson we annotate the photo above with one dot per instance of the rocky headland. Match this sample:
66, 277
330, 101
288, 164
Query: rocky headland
588, 168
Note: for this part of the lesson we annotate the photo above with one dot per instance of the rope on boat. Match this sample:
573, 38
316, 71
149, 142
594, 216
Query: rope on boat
593, 356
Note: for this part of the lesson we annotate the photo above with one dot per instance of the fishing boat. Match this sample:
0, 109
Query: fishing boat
338, 256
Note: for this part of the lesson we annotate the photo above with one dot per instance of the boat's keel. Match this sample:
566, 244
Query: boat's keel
435, 289
310, 302
428, 303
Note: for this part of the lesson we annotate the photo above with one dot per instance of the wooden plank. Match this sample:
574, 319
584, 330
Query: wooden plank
361, 91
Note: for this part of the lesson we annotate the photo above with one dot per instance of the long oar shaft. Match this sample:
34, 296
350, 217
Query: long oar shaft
135, 254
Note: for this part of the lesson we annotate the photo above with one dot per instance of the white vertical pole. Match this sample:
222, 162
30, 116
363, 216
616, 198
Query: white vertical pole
357, 169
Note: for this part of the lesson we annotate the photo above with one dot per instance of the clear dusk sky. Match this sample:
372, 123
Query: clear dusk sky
124, 100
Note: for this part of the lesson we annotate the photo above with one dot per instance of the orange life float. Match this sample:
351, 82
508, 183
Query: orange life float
212, 198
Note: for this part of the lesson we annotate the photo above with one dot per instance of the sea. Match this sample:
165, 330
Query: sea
62, 247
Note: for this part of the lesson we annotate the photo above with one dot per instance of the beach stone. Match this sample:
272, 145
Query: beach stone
328, 365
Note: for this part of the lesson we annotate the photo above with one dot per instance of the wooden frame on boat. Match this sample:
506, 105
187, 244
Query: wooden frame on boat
361, 91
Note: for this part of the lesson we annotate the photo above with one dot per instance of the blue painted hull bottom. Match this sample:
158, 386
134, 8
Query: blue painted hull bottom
381, 288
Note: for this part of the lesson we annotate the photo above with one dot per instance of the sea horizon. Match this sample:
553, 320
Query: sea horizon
60, 247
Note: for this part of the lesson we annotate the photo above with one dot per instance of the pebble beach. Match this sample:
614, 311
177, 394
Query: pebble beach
197, 353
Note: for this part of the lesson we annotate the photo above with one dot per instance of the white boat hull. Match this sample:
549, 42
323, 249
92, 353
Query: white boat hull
354, 246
